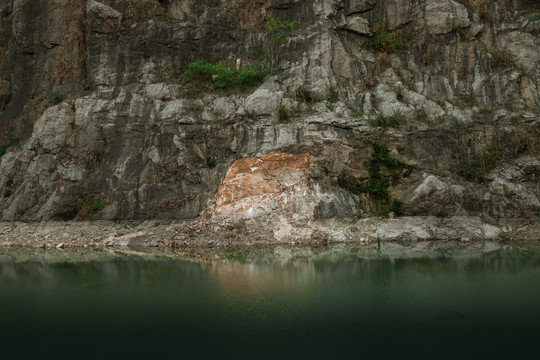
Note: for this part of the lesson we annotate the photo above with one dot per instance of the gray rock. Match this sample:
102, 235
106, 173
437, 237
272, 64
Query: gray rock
99, 10
358, 6
263, 102
358, 25
444, 15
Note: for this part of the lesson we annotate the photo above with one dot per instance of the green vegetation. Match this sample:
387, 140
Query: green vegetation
510, 147
54, 97
278, 31
202, 75
534, 18
378, 183
210, 162
89, 204
397, 207
355, 112
396, 119
12, 140
330, 107
196, 107
384, 170
304, 95
383, 39
94, 160
457, 29
283, 113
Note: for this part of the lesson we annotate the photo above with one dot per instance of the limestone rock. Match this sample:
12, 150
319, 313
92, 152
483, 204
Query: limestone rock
358, 6
121, 124
398, 13
444, 15
358, 25
434, 196
103, 18
263, 102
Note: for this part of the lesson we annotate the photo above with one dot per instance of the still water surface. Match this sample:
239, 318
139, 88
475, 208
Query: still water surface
480, 301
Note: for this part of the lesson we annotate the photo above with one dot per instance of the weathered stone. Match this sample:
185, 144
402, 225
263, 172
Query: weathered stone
275, 182
398, 13
435, 197
95, 95
263, 102
358, 25
444, 15
357, 6
103, 18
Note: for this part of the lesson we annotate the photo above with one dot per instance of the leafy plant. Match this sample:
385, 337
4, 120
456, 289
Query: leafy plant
278, 30
89, 204
383, 171
397, 207
205, 76
383, 40
357, 113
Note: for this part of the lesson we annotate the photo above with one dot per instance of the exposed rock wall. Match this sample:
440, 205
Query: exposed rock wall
93, 92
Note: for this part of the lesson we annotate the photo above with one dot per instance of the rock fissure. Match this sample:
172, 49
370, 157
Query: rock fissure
456, 83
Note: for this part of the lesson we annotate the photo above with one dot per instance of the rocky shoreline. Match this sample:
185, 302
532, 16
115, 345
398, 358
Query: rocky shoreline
227, 233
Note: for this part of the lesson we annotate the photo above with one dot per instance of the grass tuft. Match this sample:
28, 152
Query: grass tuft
202, 76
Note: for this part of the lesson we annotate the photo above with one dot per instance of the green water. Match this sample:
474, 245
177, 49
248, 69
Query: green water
452, 301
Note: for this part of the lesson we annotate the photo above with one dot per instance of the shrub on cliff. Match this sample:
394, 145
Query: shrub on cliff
383, 40
278, 30
202, 75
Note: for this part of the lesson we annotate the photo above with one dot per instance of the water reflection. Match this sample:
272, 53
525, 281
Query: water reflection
337, 302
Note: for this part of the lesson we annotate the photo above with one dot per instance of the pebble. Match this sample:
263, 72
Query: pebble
60, 246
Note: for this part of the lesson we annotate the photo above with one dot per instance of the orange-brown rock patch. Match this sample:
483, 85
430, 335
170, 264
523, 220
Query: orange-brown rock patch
270, 179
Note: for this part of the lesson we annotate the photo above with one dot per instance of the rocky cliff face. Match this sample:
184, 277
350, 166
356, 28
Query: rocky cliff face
373, 108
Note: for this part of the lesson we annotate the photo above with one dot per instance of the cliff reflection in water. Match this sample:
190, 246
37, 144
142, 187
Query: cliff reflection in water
274, 303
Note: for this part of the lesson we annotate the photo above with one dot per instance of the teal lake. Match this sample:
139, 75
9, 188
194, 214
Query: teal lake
442, 301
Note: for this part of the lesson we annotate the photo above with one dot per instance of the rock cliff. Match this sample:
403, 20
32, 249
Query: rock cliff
420, 108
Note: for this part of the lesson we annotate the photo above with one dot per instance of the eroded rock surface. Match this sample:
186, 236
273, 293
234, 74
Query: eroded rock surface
96, 122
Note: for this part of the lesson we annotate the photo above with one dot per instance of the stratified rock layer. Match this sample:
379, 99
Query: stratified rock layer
96, 123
